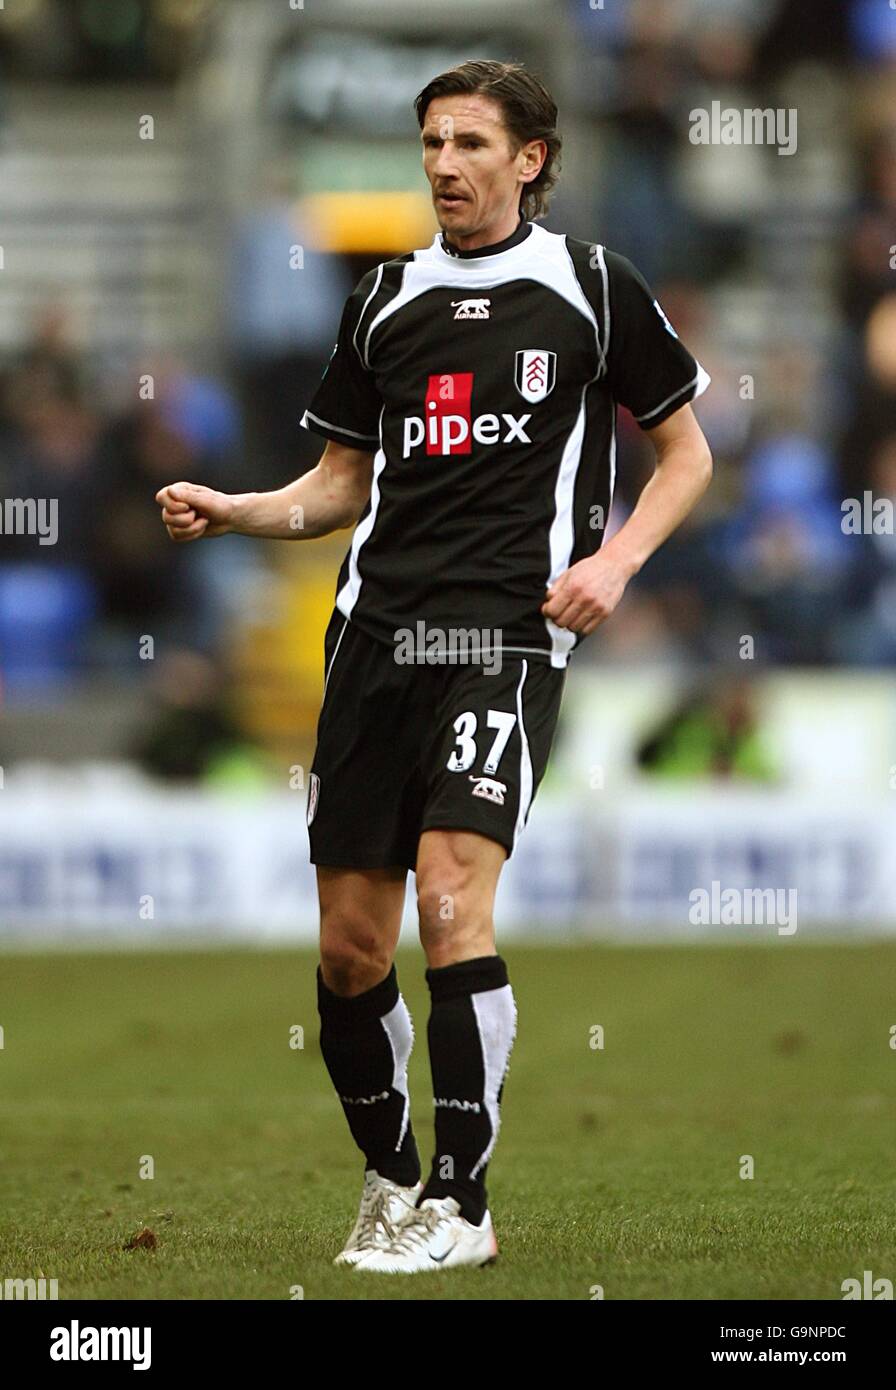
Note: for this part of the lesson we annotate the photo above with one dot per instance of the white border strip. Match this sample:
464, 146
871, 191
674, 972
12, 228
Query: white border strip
525, 761
339, 429
700, 381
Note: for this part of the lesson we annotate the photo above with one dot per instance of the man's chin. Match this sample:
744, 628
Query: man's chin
454, 229
456, 219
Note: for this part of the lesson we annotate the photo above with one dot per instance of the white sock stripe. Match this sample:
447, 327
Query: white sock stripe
399, 1030
405, 1117
496, 1017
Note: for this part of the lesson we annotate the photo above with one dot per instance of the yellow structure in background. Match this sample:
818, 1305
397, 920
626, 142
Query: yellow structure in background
278, 658
372, 223
278, 662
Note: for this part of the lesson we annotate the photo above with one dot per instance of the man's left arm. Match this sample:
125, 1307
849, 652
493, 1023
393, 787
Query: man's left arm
590, 590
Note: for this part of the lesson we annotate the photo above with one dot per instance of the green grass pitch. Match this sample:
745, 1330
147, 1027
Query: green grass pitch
617, 1167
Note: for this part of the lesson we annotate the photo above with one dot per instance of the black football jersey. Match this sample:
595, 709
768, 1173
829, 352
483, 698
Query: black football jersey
486, 383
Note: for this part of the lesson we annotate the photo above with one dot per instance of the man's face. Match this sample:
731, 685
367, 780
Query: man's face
475, 176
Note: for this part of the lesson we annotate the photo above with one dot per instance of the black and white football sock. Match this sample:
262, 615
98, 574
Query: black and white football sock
366, 1041
471, 1030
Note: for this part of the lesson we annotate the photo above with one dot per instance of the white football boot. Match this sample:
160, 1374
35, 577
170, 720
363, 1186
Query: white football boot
433, 1236
383, 1203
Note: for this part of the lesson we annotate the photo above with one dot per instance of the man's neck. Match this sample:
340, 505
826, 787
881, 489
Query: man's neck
486, 243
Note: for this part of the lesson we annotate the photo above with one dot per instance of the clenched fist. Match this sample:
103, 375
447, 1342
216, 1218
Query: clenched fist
190, 511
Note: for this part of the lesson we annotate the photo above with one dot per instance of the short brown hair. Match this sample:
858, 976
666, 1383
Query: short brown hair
530, 113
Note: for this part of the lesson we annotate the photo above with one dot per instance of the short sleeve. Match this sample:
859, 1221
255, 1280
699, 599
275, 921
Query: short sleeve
346, 406
650, 371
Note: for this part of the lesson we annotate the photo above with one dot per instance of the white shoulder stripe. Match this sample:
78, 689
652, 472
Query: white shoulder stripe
601, 354
376, 285
606, 279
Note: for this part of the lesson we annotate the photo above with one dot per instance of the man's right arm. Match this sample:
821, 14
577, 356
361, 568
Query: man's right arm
329, 498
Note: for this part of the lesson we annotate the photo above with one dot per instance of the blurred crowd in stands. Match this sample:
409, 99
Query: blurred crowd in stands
779, 272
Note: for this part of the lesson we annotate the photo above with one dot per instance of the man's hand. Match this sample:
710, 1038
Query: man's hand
190, 511
583, 596
586, 594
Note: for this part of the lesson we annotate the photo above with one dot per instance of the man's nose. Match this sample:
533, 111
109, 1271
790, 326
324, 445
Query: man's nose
445, 163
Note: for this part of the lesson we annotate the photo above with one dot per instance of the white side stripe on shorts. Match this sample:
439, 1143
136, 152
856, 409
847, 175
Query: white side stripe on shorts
335, 654
525, 761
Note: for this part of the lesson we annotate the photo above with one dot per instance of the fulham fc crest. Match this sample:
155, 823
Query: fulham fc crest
536, 372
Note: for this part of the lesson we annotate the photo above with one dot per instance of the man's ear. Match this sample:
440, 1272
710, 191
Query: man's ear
538, 151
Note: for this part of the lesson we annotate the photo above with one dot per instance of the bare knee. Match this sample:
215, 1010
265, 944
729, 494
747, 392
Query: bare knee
353, 955
360, 919
455, 900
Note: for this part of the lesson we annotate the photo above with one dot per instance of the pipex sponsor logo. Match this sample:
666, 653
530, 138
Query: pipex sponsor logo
77, 1343
448, 426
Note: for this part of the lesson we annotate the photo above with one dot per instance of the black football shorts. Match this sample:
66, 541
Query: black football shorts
407, 748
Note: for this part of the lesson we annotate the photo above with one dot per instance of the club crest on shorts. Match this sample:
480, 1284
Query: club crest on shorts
313, 796
489, 789
535, 373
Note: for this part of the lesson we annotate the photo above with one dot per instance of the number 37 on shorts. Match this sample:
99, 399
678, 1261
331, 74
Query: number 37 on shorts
493, 750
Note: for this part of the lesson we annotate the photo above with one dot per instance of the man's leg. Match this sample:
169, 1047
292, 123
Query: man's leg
366, 1032
490, 734
473, 1019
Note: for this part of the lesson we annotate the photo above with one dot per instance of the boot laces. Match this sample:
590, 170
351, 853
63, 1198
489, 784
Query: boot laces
416, 1228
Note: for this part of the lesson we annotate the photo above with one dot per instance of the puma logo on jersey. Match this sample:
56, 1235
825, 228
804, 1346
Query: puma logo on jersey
471, 308
489, 789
